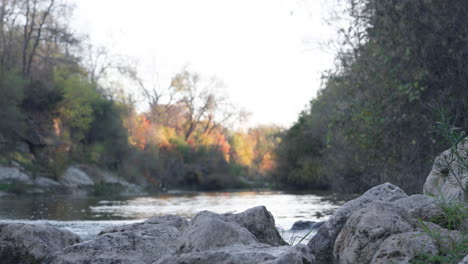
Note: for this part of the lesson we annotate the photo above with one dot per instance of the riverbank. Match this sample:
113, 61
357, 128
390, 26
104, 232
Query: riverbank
384, 225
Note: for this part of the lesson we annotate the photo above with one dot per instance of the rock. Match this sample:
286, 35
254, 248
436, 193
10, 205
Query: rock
305, 225
123, 187
131, 189
421, 207
10, 175
322, 243
241, 254
210, 231
300, 254
173, 220
151, 225
24, 243
260, 222
448, 174
367, 228
75, 177
137, 245
448, 237
46, 182
402, 248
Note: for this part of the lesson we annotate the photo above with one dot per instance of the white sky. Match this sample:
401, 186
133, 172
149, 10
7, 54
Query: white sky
266, 51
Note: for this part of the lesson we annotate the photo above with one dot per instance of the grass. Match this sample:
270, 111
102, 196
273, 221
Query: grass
292, 240
451, 250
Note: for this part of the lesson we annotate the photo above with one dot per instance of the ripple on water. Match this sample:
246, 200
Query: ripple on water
88, 216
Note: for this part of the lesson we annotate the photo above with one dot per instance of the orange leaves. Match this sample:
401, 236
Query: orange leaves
143, 132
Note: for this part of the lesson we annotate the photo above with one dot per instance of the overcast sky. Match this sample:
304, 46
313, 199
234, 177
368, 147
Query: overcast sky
266, 51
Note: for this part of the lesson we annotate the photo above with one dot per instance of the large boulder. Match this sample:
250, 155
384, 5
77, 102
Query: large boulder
120, 247
421, 207
402, 248
247, 237
208, 231
11, 175
25, 244
260, 222
367, 228
322, 243
136, 243
242, 254
75, 178
448, 178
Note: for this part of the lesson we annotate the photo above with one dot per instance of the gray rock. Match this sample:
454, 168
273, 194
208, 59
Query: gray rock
421, 207
260, 222
322, 243
25, 244
153, 224
367, 228
448, 237
210, 231
106, 177
242, 254
120, 247
305, 225
10, 175
448, 174
173, 220
46, 182
75, 177
299, 254
402, 248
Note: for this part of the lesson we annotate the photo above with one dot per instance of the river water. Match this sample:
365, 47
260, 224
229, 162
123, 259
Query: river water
87, 216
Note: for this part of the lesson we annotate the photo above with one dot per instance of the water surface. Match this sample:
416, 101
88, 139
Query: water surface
87, 216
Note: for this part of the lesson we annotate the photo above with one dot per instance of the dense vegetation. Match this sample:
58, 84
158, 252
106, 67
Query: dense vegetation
402, 69
56, 111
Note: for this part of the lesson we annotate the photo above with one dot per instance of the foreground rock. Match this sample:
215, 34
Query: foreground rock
402, 248
323, 242
247, 237
25, 244
448, 174
260, 223
240, 254
367, 228
421, 207
121, 247
137, 243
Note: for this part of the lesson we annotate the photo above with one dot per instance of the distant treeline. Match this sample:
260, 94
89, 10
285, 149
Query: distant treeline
403, 68
56, 110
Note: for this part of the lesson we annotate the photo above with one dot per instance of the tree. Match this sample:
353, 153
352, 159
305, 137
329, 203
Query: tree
204, 104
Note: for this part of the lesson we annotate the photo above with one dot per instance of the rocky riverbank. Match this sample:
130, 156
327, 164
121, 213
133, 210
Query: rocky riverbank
381, 226
384, 225
76, 180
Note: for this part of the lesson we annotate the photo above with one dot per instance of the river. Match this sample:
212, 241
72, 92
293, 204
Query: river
87, 216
